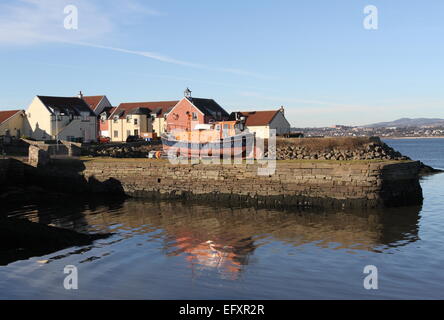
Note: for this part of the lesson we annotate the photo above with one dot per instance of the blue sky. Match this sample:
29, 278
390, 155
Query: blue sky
312, 56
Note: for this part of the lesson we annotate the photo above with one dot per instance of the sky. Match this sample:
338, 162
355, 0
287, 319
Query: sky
314, 57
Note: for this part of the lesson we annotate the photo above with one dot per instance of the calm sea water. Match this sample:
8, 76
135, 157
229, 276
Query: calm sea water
171, 250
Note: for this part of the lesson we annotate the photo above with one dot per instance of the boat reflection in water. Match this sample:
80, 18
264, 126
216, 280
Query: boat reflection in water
224, 240
226, 260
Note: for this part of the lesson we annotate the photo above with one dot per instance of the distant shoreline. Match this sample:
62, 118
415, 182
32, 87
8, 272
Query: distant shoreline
411, 138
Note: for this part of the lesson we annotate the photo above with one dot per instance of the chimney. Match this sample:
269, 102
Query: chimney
80, 95
187, 93
282, 109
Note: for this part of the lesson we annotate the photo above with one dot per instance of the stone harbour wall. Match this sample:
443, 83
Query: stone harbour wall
4, 166
294, 184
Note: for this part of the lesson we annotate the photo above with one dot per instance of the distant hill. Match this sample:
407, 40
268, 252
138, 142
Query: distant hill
407, 122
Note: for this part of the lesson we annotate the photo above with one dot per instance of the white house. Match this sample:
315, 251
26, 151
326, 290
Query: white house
261, 122
12, 123
63, 118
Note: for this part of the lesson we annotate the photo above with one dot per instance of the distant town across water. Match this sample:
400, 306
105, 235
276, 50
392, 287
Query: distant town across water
402, 128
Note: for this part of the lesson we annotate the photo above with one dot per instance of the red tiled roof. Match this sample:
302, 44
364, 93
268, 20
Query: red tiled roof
259, 118
5, 115
160, 107
93, 101
110, 110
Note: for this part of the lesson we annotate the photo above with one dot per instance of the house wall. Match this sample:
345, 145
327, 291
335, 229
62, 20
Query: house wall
104, 128
15, 125
39, 119
262, 132
78, 128
159, 125
280, 124
122, 126
178, 118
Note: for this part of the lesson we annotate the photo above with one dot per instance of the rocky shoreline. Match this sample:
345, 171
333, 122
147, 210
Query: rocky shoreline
122, 150
339, 149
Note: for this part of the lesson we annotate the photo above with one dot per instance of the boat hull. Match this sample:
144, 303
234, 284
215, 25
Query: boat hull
235, 146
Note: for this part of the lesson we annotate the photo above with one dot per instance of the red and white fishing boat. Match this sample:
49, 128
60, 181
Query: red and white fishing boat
217, 139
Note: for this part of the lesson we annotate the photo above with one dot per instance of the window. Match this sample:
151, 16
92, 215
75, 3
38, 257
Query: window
128, 119
135, 121
226, 127
116, 134
115, 119
136, 132
194, 116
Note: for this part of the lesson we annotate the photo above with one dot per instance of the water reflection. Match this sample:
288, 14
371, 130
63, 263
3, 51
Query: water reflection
223, 240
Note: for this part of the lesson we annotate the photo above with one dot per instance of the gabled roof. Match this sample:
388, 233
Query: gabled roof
93, 101
156, 107
257, 118
108, 111
209, 107
5, 115
66, 105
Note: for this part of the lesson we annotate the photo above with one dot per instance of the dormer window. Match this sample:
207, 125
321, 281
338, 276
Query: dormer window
115, 119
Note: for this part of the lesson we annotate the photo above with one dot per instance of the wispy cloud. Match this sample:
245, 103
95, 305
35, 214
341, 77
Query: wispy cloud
313, 105
167, 59
31, 22
296, 107
189, 81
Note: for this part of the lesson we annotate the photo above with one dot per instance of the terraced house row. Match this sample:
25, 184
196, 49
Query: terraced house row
88, 118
